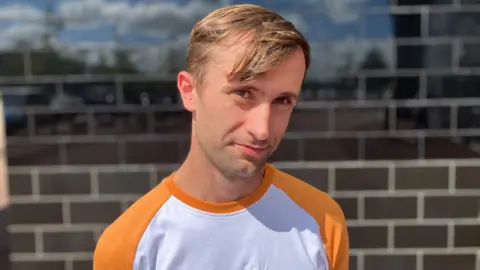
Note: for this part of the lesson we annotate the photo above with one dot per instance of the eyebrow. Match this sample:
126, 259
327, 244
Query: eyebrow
289, 94
282, 94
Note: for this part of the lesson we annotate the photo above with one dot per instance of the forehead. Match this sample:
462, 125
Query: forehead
289, 73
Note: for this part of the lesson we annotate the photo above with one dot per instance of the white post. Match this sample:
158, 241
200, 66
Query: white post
4, 193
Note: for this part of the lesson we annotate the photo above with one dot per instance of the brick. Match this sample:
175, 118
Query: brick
68, 242
390, 262
315, 177
92, 153
183, 150
162, 175
331, 149
171, 122
36, 213
120, 123
444, 148
368, 237
64, 183
353, 263
457, 262
361, 179
152, 152
5, 262
286, 151
38, 265
468, 48
372, 83
95, 212
356, 119
349, 207
428, 2
442, 49
32, 154
124, 182
467, 236
301, 120
421, 236
390, 208
467, 178
388, 149
22, 242
5, 240
421, 178
413, 20
452, 207
83, 265
19, 184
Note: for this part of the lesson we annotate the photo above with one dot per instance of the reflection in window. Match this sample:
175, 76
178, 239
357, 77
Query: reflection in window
407, 25
378, 26
126, 122
334, 26
148, 93
12, 63
424, 2
33, 94
438, 56
385, 4
377, 55
469, 55
92, 93
461, 24
378, 87
453, 86
468, 117
54, 61
17, 99
110, 61
331, 88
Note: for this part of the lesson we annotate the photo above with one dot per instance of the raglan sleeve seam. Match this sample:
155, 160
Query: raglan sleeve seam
342, 254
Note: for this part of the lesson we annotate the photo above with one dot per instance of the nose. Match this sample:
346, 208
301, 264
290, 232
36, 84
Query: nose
258, 124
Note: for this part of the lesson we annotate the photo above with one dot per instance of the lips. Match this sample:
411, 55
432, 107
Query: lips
252, 150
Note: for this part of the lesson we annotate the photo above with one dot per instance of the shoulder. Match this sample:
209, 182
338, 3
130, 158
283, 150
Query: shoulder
317, 203
325, 210
116, 247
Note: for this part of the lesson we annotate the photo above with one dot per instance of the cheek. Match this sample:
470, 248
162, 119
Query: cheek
280, 124
220, 120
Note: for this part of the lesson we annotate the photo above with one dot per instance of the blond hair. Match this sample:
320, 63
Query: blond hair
270, 39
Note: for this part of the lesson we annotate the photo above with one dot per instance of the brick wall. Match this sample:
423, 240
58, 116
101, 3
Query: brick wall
335, 133
414, 101
401, 214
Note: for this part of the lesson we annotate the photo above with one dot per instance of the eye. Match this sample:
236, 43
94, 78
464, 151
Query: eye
243, 93
283, 101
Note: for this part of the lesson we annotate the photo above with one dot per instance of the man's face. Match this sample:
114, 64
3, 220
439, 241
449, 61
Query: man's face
238, 126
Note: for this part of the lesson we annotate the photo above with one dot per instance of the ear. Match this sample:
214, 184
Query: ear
186, 87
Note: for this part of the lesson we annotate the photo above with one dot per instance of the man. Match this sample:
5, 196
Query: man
225, 207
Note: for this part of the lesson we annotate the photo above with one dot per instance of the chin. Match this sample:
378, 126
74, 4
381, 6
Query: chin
246, 168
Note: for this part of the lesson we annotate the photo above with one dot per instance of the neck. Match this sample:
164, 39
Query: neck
198, 177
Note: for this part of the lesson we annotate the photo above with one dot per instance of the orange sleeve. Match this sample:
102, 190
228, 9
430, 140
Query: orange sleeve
325, 211
117, 246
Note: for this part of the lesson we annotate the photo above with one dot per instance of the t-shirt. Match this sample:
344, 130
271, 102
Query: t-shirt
284, 224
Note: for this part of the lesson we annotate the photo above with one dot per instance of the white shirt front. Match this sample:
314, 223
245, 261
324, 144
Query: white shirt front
273, 233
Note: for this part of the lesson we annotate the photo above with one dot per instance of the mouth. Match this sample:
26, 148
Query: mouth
252, 150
